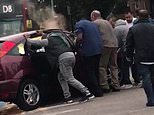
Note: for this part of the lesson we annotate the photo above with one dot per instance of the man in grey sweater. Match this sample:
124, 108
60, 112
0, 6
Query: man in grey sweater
121, 29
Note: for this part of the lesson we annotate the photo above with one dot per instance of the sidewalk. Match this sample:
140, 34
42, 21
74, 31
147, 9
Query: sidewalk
9, 108
2, 105
126, 102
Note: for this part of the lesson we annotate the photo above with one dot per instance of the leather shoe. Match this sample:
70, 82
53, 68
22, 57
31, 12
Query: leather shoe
113, 89
149, 104
106, 90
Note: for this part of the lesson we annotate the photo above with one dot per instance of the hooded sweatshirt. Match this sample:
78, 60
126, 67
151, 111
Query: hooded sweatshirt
121, 29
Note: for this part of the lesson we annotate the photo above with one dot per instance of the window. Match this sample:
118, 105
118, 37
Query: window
9, 27
18, 50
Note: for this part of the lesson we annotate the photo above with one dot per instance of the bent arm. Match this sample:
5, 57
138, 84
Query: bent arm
42, 43
79, 32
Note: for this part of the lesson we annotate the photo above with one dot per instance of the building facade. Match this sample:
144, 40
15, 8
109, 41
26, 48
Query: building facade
141, 4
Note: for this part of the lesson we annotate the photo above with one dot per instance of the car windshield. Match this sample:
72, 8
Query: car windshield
9, 27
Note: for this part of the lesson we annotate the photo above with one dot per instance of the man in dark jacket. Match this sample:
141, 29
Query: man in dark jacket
140, 39
59, 53
89, 49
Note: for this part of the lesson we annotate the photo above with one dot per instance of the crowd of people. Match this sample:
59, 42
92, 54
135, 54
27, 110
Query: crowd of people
126, 51
114, 72
107, 51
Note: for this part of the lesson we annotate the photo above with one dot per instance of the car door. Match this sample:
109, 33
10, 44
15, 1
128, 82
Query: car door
16, 62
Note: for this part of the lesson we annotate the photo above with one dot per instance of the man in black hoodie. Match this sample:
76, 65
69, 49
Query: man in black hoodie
140, 39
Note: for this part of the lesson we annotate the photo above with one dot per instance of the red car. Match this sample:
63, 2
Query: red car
25, 75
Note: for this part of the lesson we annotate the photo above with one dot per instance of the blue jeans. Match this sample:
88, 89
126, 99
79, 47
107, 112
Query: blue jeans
146, 72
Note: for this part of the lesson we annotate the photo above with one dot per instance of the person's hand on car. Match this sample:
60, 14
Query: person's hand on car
26, 36
40, 32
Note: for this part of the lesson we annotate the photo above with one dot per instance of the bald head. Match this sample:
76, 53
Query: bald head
143, 14
95, 14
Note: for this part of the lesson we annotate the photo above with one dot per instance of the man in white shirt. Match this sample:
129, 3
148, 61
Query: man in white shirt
129, 19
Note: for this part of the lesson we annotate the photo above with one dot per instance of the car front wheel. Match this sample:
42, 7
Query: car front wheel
28, 97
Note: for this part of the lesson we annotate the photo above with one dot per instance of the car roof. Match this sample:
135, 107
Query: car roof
16, 37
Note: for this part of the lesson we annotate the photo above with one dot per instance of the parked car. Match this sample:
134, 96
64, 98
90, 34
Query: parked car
25, 75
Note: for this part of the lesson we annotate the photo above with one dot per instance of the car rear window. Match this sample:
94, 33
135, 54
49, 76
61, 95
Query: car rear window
5, 47
1, 43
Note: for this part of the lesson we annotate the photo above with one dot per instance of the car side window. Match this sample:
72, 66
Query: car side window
18, 50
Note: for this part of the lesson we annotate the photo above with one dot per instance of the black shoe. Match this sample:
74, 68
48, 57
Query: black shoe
113, 89
87, 97
149, 104
98, 92
106, 90
68, 100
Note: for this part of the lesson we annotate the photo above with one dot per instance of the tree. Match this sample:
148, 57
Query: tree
82, 8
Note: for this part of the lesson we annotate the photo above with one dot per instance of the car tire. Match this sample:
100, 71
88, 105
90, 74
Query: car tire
29, 95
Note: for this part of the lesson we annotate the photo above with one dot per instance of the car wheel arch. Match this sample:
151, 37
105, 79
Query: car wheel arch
20, 101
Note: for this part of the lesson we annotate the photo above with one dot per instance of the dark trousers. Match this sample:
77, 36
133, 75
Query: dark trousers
124, 70
88, 72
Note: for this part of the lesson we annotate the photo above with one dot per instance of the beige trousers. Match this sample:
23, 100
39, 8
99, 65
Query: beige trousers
108, 60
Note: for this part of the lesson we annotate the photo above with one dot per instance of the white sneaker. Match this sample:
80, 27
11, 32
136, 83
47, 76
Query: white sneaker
127, 86
123, 87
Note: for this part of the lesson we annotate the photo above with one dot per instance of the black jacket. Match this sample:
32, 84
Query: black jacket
140, 39
56, 46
